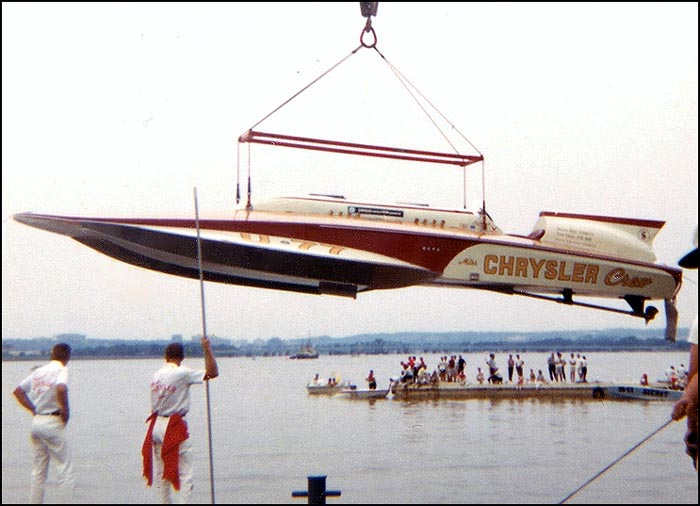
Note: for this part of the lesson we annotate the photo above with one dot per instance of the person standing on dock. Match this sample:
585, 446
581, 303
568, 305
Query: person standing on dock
559, 368
167, 437
45, 394
583, 369
519, 364
491, 362
572, 368
551, 367
461, 364
511, 367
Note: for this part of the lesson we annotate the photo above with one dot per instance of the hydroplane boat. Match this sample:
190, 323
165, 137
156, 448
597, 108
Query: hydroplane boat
331, 245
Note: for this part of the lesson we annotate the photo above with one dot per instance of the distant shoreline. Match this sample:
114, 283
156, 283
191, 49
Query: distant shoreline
401, 343
497, 350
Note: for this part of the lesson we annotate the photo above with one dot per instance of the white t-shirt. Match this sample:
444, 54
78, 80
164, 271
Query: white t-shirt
170, 389
40, 386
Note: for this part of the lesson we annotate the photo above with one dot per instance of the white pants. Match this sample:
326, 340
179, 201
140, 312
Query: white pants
185, 465
48, 441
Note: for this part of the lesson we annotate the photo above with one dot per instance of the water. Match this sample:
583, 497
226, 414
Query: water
269, 435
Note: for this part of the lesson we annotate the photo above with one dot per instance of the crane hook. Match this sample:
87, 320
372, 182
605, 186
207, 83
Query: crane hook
368, 9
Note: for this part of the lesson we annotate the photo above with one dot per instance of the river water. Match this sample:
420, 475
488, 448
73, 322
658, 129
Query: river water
268, 436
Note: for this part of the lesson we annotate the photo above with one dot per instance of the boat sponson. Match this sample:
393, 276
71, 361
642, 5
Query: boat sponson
230, 262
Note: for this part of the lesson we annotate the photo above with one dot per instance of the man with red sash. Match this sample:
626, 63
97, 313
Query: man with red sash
167, 437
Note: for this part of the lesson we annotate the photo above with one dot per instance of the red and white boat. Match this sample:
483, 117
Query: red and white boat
330, 245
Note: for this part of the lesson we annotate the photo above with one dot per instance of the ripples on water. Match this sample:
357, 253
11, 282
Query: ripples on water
269, 435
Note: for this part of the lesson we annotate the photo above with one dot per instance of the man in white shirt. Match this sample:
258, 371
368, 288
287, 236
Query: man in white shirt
167, 443
45, 394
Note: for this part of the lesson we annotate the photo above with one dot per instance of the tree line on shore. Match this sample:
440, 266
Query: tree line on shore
409, 343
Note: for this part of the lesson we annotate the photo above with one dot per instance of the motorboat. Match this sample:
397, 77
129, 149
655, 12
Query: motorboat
326, 388
365, 393
638, 392
307, 351
319, 244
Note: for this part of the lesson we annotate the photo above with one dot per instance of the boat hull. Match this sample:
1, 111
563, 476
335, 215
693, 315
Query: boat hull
325, 389
235, 257
351, 393
640, 393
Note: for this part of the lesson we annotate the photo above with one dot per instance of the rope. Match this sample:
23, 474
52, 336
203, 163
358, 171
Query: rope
204, 333
665, 424
304, 89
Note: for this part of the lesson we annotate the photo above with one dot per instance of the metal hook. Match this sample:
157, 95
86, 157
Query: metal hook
362, 38
368, 9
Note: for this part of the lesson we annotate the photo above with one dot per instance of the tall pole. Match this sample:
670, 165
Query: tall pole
204, 333
599, 474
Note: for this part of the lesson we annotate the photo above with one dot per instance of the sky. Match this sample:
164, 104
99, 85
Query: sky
122, 109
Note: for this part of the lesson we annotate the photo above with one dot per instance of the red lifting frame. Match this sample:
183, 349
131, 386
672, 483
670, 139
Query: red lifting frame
358, 149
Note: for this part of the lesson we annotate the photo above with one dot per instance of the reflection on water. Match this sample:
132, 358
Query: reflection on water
269, 435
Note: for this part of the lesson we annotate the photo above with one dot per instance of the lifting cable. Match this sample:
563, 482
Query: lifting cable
368, 9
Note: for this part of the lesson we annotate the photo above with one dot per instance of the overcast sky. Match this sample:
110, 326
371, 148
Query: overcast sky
122, 109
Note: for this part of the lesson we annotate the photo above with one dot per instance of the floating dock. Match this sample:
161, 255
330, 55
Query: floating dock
551, 391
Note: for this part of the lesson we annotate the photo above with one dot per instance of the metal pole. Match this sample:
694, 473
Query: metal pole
600, 473
204, 333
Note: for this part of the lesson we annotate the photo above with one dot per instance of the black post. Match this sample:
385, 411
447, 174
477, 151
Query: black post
316, 492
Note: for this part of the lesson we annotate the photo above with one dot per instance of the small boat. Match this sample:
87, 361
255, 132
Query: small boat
333, 386
326, 389
365, 393
638, 392
306, 351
